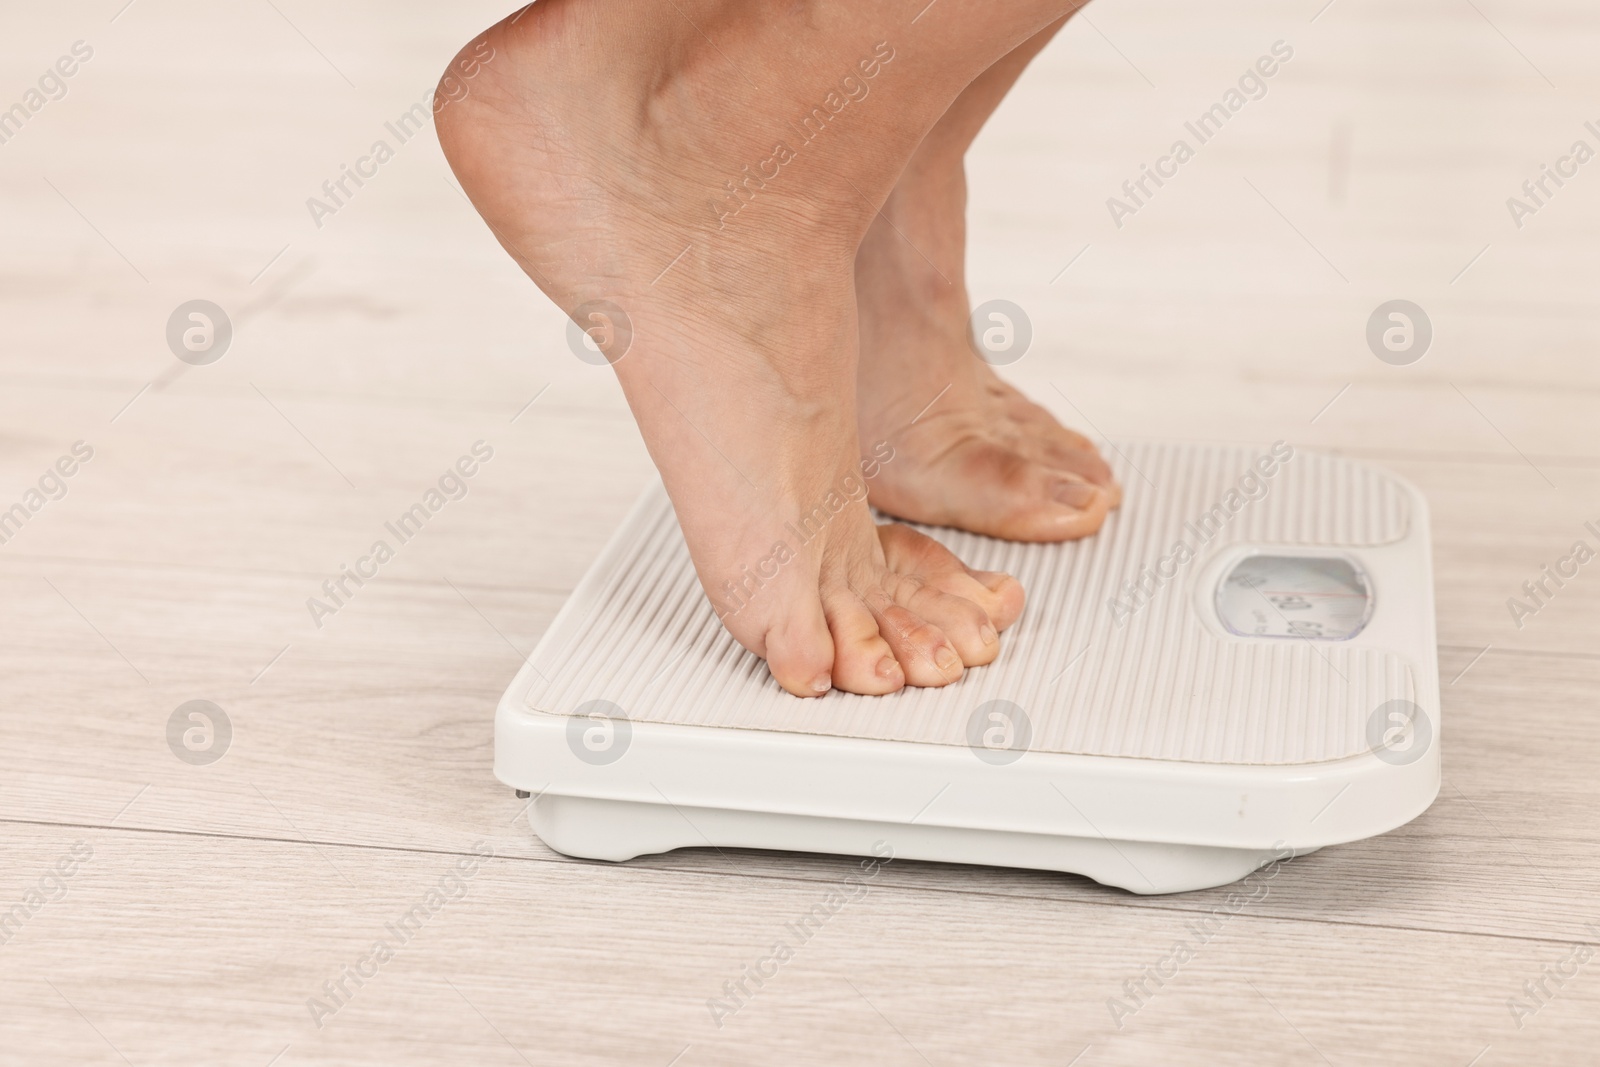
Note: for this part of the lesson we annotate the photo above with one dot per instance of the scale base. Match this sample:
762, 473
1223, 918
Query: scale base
617, 830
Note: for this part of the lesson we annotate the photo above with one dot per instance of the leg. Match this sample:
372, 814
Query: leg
710, 168
983, 458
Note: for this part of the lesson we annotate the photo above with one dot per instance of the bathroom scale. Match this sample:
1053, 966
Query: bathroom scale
1241, 666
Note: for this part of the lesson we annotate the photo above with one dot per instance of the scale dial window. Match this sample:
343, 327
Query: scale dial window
1318, 598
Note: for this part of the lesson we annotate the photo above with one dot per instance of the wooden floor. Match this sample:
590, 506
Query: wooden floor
208, 905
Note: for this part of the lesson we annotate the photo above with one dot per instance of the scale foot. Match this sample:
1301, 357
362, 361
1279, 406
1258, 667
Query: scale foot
620, 830
523, 794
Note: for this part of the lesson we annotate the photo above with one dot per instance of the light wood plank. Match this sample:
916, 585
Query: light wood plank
597, 964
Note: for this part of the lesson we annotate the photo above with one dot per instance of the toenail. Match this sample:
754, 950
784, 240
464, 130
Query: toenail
888, 667
989, 635
822, 683
1074, 494
947, 660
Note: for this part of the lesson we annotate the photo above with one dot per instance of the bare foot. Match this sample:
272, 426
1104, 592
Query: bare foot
970, 450
597, 143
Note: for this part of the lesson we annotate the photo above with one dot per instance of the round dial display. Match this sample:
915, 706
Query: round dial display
1320, 598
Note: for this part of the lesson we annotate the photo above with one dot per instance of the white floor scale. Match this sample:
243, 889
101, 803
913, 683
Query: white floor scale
1240, 666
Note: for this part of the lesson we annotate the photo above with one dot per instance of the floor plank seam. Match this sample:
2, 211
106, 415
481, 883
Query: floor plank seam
1115, 902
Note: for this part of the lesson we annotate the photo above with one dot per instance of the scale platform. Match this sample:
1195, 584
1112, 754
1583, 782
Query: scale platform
1241, 666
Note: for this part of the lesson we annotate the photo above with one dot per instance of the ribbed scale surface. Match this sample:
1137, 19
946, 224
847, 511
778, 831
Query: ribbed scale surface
1160, 686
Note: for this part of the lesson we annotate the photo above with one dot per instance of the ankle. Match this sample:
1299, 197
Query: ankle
906, 270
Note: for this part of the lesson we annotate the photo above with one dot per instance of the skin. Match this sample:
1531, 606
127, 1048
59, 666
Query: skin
597, 143
983, 457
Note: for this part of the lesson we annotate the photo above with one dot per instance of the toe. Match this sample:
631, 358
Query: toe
1064, 506
863, 662
924, 652
1114, 496
1031, 501
968, 627
998, 594
909, 552
1085, 462
1044, 438
800, 652
998, 491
